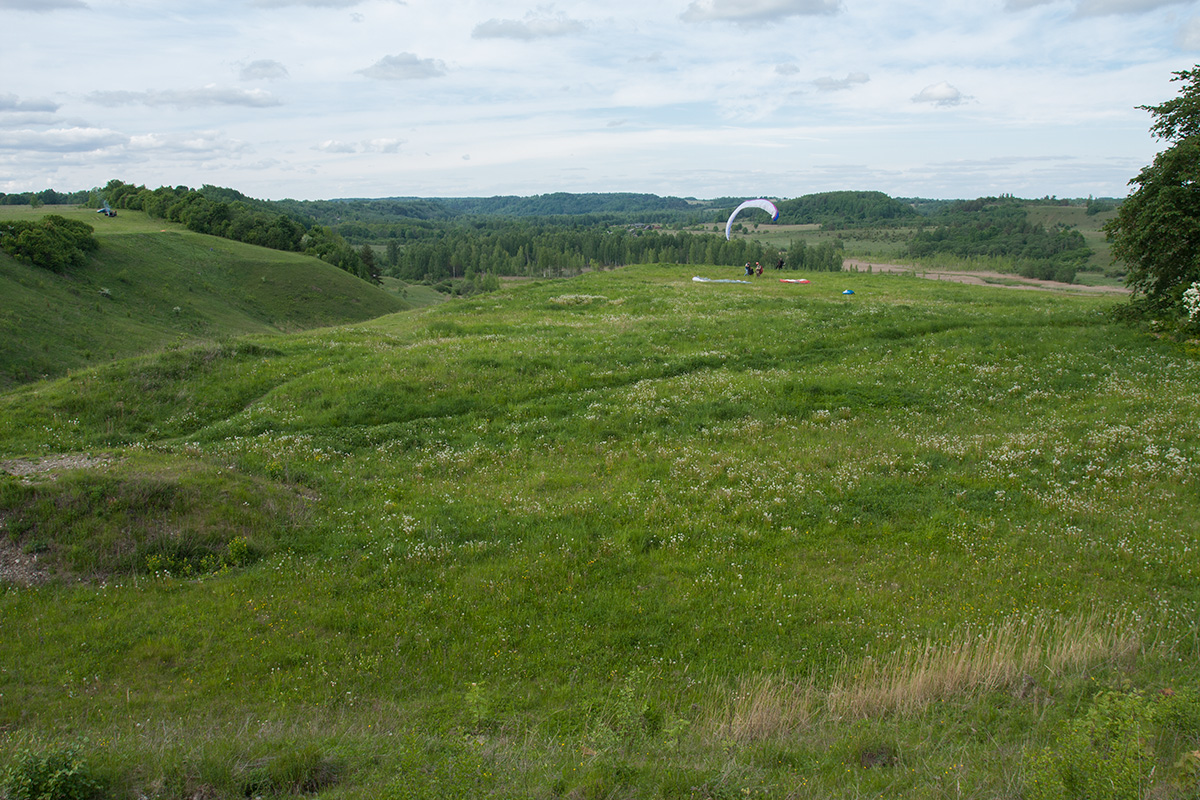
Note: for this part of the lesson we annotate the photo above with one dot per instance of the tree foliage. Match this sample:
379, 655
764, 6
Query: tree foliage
52, 242
540, 248
844, 209
1157, 229
999, 227
47, 197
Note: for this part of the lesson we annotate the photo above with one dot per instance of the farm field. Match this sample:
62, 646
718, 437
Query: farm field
622, 535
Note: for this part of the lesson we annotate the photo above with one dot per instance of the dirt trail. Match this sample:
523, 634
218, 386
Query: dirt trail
982, 278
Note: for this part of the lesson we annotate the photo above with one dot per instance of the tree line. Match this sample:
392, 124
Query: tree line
999, 228
230, 214
526, 248
844, 209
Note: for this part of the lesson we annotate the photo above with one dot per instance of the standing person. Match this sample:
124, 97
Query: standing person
758, 269
748, 270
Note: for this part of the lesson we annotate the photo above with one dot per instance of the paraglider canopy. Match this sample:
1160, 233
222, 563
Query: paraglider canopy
765, 205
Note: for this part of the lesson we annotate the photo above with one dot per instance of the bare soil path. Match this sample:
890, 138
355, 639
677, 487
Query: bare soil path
982, 278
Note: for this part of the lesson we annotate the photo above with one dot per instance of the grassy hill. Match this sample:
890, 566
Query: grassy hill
154, 283
622, 535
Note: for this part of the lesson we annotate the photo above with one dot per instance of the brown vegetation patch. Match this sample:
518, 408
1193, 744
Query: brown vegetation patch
1001, 657
17, 567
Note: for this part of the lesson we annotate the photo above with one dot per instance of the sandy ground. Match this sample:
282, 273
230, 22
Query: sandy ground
982, 278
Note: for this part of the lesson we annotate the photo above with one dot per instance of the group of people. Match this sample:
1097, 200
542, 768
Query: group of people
757, 268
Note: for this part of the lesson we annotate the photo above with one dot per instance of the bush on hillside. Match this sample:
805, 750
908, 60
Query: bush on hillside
54, 775
52, 242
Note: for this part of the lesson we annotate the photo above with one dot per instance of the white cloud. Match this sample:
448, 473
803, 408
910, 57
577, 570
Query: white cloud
61, 140
186, 98
1096, 8
404, 67
334, 146
314, 3
839, 84
10, 102
263, 70
1188, 37
41, 6
1089, 8
383, 146
756, 10
532, 27
939, 94
197, 143
745, 96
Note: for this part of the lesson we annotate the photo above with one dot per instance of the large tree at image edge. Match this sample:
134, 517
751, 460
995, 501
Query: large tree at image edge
1157, 230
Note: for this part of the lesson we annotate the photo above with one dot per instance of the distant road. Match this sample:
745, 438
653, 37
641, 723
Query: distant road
982, 278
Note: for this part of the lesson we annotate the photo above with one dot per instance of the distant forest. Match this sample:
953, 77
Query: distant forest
455, 242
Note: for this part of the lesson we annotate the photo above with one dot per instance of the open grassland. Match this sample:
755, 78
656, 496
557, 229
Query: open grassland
153, 283
622, 535
890, 244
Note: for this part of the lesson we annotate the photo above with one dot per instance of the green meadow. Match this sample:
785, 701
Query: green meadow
623, 535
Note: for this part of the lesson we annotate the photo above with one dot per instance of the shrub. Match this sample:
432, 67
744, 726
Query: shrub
60, 774
1104, 756
53, 242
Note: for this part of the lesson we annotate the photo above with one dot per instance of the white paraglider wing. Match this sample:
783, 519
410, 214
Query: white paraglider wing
765, 205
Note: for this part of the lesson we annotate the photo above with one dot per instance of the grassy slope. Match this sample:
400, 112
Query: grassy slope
53, 323
623, 535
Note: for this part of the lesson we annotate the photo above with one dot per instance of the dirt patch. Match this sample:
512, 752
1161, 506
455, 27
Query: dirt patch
26, 467
983, 278
19, 568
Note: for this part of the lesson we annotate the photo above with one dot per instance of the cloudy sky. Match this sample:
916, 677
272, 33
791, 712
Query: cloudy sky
316, 99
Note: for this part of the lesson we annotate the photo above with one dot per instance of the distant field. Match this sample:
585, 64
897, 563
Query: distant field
153, 284
1089, 226
416, 295
624, 535
885, 243
124, 222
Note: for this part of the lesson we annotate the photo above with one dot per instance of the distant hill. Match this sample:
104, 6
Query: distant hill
152, 284
609, 206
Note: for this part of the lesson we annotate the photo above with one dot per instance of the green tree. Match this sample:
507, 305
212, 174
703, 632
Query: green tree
1157, 229
52, 242
369, 270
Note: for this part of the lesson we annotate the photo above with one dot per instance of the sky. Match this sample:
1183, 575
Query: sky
322, 99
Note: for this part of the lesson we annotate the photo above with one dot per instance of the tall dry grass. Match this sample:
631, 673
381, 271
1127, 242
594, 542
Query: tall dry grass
1018, 655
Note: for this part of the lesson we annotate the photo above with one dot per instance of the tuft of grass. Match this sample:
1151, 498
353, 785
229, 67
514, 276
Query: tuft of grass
1021, 655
